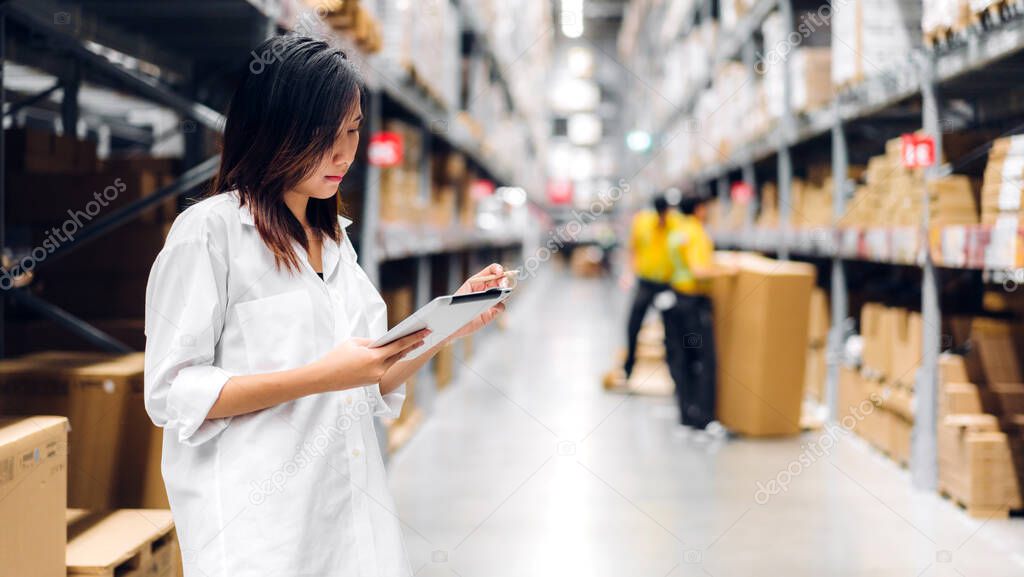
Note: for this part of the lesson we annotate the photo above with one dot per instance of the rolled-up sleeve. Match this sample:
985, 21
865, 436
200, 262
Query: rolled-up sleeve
388, 406
185, 307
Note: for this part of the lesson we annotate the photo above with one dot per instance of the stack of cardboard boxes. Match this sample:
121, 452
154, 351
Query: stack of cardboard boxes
872, 38
891, 355
981, 430
56, 190
352, 18
1003, 186
102, 454
810, 63
424, 39
892, 195
817, 343
400, 199
401, 302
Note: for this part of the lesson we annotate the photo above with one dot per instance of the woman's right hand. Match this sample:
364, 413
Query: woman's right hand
355, 363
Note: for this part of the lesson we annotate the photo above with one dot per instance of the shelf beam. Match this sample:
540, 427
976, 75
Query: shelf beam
839, 291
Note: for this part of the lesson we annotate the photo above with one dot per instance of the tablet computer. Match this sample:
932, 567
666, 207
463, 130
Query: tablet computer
443, 316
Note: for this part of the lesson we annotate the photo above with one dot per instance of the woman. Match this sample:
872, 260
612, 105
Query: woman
258, 325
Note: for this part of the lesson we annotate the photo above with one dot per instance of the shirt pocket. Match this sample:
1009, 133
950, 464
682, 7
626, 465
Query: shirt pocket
278, 331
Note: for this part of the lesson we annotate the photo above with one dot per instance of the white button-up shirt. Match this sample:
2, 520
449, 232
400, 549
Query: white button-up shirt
298, 489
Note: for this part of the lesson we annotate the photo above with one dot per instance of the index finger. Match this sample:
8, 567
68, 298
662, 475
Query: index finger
492, 270
405, 342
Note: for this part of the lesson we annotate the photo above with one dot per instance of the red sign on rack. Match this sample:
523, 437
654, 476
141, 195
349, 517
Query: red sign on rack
560, 191
740, 192
917, 150
385, 149
481, 188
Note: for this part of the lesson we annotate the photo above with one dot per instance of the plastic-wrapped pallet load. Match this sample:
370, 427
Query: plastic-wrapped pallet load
810, 62
940, 17
872, 37
1001, 202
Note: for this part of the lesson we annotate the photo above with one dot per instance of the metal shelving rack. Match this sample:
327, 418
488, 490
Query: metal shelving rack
922, 79
177, 38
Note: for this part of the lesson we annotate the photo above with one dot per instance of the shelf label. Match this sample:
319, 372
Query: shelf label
917, 151
385, 149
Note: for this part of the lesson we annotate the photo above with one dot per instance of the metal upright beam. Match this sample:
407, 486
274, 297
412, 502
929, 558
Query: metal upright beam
722, 188
370, 227
839, 297
71, 81
425, 386
924, 446
3, 171
785, 162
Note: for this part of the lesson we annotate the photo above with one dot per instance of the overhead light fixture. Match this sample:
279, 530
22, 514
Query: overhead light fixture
638, 140
580, 61
584, 129
572, 18
513, 195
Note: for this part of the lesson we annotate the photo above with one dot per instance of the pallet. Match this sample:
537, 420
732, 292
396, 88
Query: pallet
121, 543
996, 13
980, 512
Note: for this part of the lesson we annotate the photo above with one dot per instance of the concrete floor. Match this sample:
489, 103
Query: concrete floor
526, 467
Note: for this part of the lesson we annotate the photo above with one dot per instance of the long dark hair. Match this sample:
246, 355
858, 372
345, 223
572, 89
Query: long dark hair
293, 95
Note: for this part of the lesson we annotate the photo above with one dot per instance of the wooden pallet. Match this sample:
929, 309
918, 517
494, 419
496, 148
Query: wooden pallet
122, 543
980, 512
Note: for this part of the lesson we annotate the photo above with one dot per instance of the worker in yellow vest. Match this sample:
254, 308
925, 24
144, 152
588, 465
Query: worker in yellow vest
651, 263
689, 324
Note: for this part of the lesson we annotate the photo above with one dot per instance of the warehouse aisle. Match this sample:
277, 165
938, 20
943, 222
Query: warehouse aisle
526, 467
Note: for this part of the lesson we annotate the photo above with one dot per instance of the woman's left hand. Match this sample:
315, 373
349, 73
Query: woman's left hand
477, 283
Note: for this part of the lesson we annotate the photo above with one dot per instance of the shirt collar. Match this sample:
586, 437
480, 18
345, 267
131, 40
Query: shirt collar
246, 218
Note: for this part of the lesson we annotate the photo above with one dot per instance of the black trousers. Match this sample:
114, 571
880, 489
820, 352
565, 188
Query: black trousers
691, 355
642, 300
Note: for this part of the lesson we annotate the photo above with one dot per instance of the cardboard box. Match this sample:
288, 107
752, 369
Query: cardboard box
444, 367
43, 151
906, 350
977, 466
952, 369
762, 389
964, 399
122, 543
816, 373
876, 332
33, 496
400, 303
95, 391
900, 432
1008, 399
818, 325
994, 356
